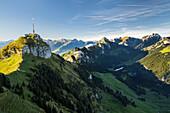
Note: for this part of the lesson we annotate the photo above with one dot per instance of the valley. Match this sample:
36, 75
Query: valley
102, 77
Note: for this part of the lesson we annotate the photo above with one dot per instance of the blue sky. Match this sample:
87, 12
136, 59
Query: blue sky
84, 19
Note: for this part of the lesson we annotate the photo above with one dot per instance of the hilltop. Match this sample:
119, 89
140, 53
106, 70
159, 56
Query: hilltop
42, 81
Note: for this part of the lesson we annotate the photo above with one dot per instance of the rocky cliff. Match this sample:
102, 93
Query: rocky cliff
27, 44
149, 40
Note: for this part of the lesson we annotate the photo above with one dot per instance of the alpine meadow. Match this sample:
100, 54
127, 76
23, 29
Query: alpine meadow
83, 56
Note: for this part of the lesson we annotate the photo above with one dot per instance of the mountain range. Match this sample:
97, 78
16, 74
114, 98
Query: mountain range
64, 45
121, 75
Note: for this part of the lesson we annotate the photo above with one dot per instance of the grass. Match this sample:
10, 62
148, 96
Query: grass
12, 103
10, 64
158, 61
111, 105
167, 49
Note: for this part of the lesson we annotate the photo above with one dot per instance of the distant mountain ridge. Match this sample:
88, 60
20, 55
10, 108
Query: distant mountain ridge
104, 54
103, 77
64, 45
120, 51
4, 43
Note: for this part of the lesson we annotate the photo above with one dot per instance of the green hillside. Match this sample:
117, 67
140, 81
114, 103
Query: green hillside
159, 62
92, 83
44, 84
104, 55
153, 101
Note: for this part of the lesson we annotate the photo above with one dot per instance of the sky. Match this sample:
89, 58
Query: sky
84, 19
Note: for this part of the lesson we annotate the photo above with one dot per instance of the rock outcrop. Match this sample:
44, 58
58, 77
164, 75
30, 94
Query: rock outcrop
127, 41
40, 48
27, 44
149, 40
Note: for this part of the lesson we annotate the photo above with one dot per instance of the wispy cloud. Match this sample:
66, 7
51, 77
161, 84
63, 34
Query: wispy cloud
128, 14
103, 1
76, 17
133, 32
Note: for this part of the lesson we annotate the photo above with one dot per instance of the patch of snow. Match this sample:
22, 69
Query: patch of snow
118, 69
87, 57
90, 77
166, 42
159, 46
90, 45
78, 52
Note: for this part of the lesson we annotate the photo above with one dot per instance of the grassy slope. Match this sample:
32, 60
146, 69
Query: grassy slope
10, 64
55, 62
117, 55
158, 61
12, 103
111, 105
167, 49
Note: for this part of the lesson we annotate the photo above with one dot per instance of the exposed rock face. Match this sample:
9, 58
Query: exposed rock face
104, 40
131, 42
40, 48
27, 44
43, 51
116, 40
154, 36
149, 40
128, 41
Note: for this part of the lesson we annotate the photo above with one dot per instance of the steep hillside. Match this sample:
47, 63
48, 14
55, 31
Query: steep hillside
149, 40
158, 60
104, 55
44, 84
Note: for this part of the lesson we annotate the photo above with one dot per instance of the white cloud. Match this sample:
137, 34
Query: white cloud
76, 17
139, 27
118, 14
137, 33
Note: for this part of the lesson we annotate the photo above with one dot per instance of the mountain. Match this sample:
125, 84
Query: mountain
64, 45
104, 54
4, 43
54, 44
149, 40
39, 81
102, 77
158, 59
128, 41
145, 43
124, 83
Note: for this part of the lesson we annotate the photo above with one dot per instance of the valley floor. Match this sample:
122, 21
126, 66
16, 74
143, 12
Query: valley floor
154, 103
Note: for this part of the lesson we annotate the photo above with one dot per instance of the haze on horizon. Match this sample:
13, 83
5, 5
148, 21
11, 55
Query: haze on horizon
86, 20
